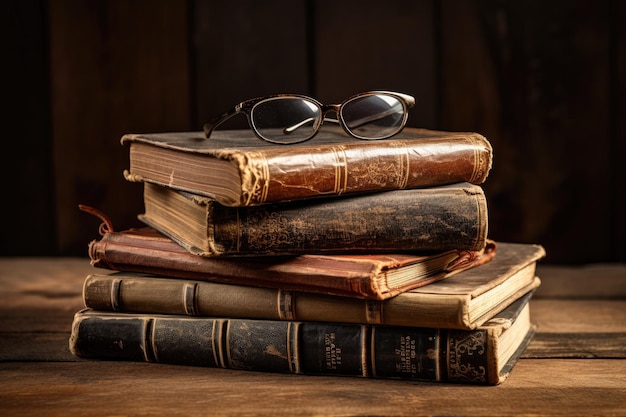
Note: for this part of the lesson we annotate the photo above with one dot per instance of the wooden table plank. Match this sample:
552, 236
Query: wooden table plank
539, 387
556, 375
578, 329
596, 281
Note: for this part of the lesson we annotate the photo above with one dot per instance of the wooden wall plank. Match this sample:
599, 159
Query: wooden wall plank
536, 387
28, 224
534, 77
247, 49
363, 45
618, 123
543, 81
116, 67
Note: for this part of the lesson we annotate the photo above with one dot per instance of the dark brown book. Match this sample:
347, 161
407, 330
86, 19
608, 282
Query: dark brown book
465, 300
483, 356
237, 169
425, 219
374, 276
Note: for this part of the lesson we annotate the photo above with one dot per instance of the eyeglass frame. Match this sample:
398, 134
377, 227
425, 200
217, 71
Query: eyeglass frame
246, 107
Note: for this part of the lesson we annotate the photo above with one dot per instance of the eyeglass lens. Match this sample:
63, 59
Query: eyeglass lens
374, 116
296, 119
286, 119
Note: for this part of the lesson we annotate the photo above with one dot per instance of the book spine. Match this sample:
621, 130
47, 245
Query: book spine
308, 348
158, 295
434, 219
146, 251
185, 297
360, 167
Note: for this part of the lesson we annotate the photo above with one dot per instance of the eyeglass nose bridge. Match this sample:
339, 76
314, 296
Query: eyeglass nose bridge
330, 108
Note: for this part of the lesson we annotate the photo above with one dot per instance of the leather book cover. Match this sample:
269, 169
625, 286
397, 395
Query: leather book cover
237, 169
464, 300
374, 276
429, 219
483, 356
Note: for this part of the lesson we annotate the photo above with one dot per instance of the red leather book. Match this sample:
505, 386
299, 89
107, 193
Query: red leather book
376, 276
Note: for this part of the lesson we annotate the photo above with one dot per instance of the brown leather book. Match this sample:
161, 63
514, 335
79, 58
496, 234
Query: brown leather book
374, 276
237, 169
463, 301
430, 219
482, 356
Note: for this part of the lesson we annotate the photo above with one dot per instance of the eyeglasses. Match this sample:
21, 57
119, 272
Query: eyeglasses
293, 118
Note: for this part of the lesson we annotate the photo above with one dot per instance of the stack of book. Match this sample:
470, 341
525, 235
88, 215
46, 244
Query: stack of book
331, 257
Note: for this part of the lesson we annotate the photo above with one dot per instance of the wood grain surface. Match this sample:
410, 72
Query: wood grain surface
575, 365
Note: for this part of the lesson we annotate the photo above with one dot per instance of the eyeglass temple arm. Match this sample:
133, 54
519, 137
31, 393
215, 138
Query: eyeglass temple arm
293, 128
218, 120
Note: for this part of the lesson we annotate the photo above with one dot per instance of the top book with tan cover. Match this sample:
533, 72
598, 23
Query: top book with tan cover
237, 169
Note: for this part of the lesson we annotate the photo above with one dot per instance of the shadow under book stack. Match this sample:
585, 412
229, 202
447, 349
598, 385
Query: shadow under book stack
330, 257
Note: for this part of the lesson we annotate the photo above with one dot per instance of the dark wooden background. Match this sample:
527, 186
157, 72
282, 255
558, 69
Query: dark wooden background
542, 80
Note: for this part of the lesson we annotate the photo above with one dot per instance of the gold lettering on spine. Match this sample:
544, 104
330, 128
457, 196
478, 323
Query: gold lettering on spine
333, 352
406, 354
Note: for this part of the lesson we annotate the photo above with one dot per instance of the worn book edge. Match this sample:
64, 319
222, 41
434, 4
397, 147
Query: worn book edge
285, 228
146, 250
146, 293
482, 356
252, 159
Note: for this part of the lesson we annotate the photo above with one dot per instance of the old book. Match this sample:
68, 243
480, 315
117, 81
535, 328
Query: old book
465, 300
373, 276
426, 219
482, 356
237, 169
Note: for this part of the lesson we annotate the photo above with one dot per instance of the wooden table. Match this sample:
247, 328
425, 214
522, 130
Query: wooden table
574, 366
